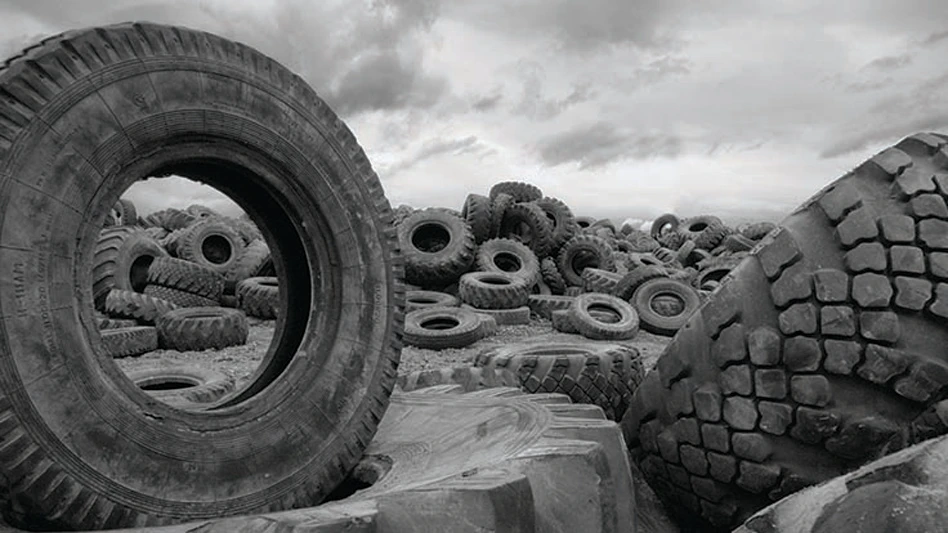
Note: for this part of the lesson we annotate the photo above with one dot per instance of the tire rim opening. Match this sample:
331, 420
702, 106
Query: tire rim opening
440, 323
667, 304
138, 273
604, 314
217, 249
430, 238
493, 280
584, 260
507, 262
423, 301
697, 227
164, 384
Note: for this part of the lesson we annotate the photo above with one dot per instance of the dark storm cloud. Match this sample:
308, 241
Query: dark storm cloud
536, 105
935, 38
434, 149
487, 103
889, 63
602, 143
385, 81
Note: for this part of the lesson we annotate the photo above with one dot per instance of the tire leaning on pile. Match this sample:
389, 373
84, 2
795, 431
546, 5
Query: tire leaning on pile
86, 448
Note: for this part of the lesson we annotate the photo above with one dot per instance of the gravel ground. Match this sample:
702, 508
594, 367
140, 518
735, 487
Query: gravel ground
239, 362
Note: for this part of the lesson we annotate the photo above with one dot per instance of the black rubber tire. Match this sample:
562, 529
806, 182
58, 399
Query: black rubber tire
506, 255
591, 327
476, 212
599, 374
665, 223
520, 191
636, 277
758, 231
471, 378
543, 306
122, 259
638, 260
815, 355
712, 237
562, 322
498, 209
671, 240
98, 109
123, 214
518, 316
438, 247
259, 297
585, 222
562, 221
552, 276
202, 328
187, 277
601, 281
493, 290
716, 271
212, 244
738, 243
253, 257
139, 307
179, 297
527, 223
157, 234
441, 328
170, 241
113, 323
170, 219
641, 242
198, 385
584, 251
415, 300
664, 305
201, 212
129, 342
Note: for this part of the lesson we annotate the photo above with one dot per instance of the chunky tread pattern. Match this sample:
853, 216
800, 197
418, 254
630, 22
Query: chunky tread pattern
119, 245
822, 347
493, 290
601, 281
476, 212
581, 252
490, 252
186, 276
145, 309
259, 297
471, 378
527, 223
253, 257
430, 269
179, 297
552, 276
202, 328
518, 190
563, 222
191, 245
545, 305
129, 342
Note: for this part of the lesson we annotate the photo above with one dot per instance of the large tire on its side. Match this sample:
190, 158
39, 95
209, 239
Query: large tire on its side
493, 290
85, 114
439, 328
259, 297
664, 305
132, 305
179, 297
438, 247
202, 328
123, 257
819, 352
622, 325
186, 276
181, 385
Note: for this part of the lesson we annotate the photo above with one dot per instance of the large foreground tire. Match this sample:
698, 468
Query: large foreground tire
818, 353
85, 114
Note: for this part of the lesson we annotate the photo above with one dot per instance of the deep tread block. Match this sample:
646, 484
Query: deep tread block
872, 290
831, 285
907, 260
859, 226
802, 354
912, 293
775, 417
740, 413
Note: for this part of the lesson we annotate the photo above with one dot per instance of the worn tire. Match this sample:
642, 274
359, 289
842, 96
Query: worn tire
552, 276
85, 114
527, 223
123, 213
253, 257
664, 305
520, 191
562, 221
476, 212
441, 328
512, 257
202, 328
179, 297
129, 342
598, 280
814, 355
122, 259
259, 297
663, 224
603, 374
593, 327
182, 385
140, 307
517, 316
113, 323
636, 277
544, 306
170, 219
438, 247
213, 244
187, 277
493, 290
470, 378
415, 300
581, 252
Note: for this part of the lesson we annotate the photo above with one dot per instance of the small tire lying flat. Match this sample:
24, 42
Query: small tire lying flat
442, 328
130, 341
202, 328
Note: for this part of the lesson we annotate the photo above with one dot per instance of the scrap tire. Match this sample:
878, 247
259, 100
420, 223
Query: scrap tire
520, 191
132, 305
518, 316
815, 355
552, 276
527, 223
255, 254
476, 212
636, 277
601, 374
470, 378
124, 213
179, 297
494, 290
545, 305
170, 219
202, 328
660, 224
219, 254
590, 326
84, 448
129, 342
498, 208
259, 297
506, 255
415, 300
123, 257
581, 252
186, 276
427, 229
113, 323
463, 328
667, 316
601, 281
562, 221
205, 385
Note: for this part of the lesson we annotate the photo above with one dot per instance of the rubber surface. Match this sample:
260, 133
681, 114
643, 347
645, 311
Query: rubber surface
204, 385
583, 251
493, 290
259, 297
122, 259
440, 328
202, 328
438, 247
130, 341
818, 353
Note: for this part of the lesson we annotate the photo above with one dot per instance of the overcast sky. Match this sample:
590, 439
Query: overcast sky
622, 108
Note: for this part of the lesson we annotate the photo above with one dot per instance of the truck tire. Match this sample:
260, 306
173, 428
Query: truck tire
123, 256
84, 114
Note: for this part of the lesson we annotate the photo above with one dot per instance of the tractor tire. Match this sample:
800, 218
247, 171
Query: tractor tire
476, 212
113, 323
83, 115
581, 252
470, 378
187, 277
213, 244
202, 328
170, 219
140, 307
123, 214
438, 247
493, 290
663, 224
498, 208
552, 276
506, 255
520, 191
259, 297
123, 257
527, 224
562, 221
129, 342
601, 281
255, 254
179, 297
635, 278
544, 306
816, 354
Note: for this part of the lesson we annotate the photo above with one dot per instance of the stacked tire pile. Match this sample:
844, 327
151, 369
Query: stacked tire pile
516, 251
182, 280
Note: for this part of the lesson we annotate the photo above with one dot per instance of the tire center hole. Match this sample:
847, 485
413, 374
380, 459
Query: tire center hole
430, 238
667, 304
584, 260
604, 313
440, 323
698, 226
169, 383
138, 273
216, 249
422, 301
491, 280
508, 262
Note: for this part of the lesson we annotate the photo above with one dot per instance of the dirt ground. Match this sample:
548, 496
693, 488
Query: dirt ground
239, 362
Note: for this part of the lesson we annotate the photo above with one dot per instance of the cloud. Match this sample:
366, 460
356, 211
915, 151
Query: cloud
602, 143
434, 149
535, 105
935, 38
889, 63
487, 103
